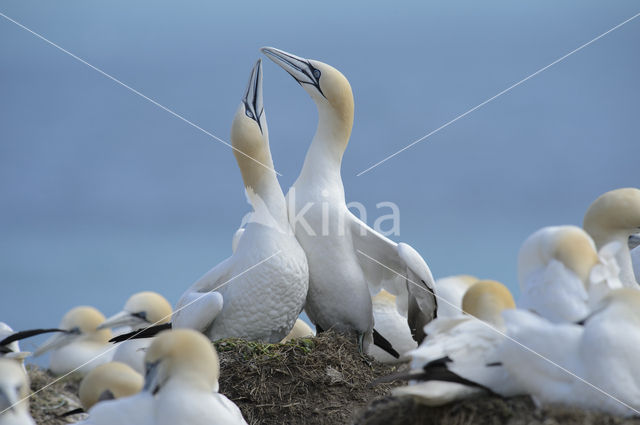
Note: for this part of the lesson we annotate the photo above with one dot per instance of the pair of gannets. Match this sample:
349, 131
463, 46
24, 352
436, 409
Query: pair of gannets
348, 261
561, 274
260, 290
180, 387
614, 217
14, 390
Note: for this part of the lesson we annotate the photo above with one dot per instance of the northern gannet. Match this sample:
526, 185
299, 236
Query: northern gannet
80, 346
300, 330
561, 275
108, 381
393, 325
260, 290
602, 352
614, 217
180, 387
458, 358
141, 310
348, 261
14, 390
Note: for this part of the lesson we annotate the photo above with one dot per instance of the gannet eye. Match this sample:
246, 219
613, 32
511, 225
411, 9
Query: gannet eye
249, 113
316, 73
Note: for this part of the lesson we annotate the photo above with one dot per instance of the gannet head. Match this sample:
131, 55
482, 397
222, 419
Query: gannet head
486, 300
181, 354
79, 324
249, 132
14, 386
141, 310
569, 245
326, 85
615, 214
107, 382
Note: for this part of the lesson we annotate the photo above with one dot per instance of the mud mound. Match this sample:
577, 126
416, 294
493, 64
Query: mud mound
306, 381
58, 398
485, 410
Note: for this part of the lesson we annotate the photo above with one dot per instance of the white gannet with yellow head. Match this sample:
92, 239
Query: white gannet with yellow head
260, 290
180, 387
614, 217
80, 346
602, 352
109, 381
458, 358
348, 261
562, 275
141, 310
14, 390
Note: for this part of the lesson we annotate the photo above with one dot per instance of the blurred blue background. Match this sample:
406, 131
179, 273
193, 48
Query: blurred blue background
103, 194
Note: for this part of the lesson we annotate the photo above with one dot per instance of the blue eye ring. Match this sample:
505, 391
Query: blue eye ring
316, 73
249, 113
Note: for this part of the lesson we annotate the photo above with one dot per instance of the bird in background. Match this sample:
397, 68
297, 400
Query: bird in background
615, 217
180, 387
142, 309
459, 357
80, 345
561, 274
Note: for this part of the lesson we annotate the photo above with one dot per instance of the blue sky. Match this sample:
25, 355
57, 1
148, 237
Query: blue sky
104, 194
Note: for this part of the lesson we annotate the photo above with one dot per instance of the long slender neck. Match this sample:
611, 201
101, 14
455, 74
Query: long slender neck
324, 157
263, 181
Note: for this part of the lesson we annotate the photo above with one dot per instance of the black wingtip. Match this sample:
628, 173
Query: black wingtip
148, 332
384, 344
71, 412
17, 336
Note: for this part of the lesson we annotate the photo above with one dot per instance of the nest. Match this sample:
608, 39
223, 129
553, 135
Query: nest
485, 410
306, 381
52, 397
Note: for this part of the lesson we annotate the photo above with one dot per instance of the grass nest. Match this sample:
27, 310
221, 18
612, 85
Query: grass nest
52, 397
306, 381
485, 410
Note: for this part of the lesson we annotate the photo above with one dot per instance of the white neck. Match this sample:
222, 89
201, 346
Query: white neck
324, 157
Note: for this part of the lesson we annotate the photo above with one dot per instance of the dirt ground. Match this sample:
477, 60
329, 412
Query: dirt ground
324, 380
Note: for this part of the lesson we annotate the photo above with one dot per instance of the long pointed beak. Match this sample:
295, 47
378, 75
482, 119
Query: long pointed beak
123, 318
634, 241
56, 341
252, 98
299, 68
